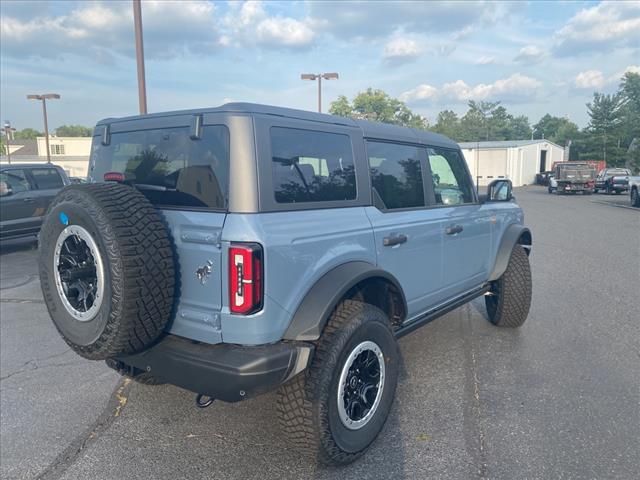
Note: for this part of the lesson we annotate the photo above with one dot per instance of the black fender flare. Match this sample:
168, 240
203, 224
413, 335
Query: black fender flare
313, 313
510, 238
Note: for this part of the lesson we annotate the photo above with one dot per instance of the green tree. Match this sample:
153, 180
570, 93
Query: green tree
27, 134
448, 124
605, 113
376, 105
3, 150
630, 124
73, 131
519, 128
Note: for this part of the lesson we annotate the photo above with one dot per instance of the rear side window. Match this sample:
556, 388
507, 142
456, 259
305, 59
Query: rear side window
168, 166
14, 181
396, 175
46, 178
309, 166
450, 179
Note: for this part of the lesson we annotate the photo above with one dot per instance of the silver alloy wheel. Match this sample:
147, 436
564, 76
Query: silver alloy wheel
79, 273
360, 385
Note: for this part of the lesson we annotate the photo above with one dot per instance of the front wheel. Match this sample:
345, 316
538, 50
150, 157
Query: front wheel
334, 410
509, 299
635, 198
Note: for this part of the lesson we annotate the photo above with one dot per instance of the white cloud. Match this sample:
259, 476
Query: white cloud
287, 32
421, 92
401, 49
529, 54
514, 87
590, 79
250, 24
602, 27
485, 60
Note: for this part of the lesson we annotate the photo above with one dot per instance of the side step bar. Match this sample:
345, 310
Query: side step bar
439, 311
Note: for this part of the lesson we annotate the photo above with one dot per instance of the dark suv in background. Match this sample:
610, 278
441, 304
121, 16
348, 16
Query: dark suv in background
26, 190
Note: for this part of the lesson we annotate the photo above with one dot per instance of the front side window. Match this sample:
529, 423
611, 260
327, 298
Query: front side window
450, 179
396, 175
14, 181
47, 178
168, 166
309, 166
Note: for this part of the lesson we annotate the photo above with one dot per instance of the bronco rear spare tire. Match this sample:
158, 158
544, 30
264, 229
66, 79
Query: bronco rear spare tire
107, 269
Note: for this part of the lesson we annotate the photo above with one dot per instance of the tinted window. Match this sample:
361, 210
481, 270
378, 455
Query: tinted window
168, 166
310, 166
396, 175
46, 178
450, 179
15, 180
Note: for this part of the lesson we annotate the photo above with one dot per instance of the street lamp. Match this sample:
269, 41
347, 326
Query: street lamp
44, 97
319, 77
8, 131
142, 84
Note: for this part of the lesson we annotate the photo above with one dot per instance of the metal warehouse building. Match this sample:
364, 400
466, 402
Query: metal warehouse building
517, 160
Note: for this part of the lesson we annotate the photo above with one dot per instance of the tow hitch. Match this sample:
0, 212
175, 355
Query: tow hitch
204, 401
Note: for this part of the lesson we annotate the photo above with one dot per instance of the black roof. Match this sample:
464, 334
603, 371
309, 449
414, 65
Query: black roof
27, 147
369, 129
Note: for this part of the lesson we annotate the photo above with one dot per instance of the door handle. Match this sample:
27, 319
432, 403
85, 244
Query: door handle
392, 240
27, 200
453, 229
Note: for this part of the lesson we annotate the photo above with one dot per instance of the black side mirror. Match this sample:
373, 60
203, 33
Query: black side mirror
500, 190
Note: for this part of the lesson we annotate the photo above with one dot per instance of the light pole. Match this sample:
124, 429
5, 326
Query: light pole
8, 131
142, 85
44, 97
319, 77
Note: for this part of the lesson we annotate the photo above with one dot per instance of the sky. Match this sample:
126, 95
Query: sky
535, 57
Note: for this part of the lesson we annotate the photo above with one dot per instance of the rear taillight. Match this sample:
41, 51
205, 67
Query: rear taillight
245, 278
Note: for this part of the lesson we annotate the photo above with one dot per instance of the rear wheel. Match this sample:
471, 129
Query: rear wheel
336, 408
635, 198
509, 299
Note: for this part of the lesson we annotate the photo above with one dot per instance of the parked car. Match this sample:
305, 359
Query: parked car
573, 177
76, 180
613, 180
542, 178
26, 190
634, 191
303, 245
553, 185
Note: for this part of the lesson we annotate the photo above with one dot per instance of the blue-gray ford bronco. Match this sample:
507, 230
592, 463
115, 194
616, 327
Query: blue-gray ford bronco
237, 250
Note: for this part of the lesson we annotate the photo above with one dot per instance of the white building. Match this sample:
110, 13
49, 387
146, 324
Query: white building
70, 153
517, 160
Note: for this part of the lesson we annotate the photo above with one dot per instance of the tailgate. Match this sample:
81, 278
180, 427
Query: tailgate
196, 237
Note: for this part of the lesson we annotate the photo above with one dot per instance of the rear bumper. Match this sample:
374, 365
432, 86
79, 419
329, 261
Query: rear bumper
223, 371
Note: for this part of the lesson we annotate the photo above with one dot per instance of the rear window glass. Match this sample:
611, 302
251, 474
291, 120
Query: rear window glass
310, 166
396, 175
46, 178
168, 166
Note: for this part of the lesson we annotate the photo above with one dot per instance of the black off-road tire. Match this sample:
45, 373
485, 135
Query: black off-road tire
509, 304
134, 245
635, 198
307, 404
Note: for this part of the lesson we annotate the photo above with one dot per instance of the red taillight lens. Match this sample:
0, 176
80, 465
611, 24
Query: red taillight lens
245, 278
114, 177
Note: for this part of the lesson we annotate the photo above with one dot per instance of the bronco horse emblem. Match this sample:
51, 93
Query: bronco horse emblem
202, 273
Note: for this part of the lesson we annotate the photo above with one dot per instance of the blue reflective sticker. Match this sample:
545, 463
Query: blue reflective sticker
63, 218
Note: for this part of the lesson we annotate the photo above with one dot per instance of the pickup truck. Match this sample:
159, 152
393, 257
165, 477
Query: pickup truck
613, 180
634, 191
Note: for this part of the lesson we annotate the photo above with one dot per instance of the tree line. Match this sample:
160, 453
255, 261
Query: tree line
612, 134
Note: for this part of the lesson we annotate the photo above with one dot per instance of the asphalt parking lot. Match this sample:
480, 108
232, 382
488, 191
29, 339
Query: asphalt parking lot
558, 398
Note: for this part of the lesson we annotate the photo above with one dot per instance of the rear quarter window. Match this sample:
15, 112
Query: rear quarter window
311, 166
168, 166
46, 178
